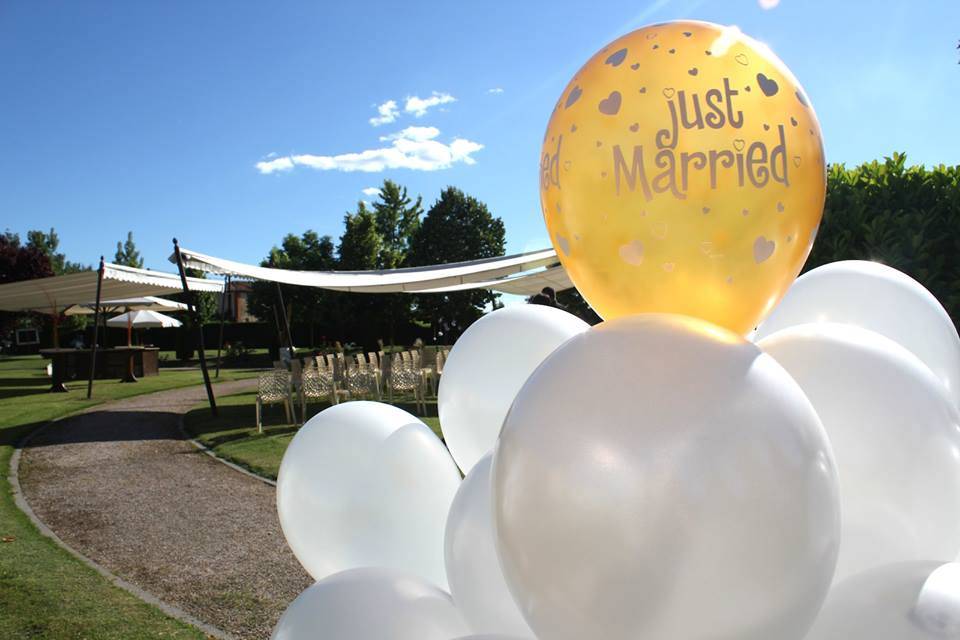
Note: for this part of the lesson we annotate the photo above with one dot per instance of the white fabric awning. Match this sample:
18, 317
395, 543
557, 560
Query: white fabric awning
145, 303
58, 292
486, 273
526, 284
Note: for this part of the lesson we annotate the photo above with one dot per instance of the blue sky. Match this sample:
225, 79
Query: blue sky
154, 116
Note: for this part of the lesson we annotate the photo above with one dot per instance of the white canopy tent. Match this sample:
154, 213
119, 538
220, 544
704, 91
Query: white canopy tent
56, 293
111, 282
537, 268
143, 303
526, 284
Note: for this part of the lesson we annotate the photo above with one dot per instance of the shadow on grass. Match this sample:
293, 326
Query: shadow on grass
236, 436
33, 382
237, 418
22, 392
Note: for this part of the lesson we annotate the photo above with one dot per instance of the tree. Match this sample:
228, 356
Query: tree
903, 216
397, 217
305, 305
18, 262
360, 249
457, 227
127, 253
48, 243
572, 301
361, 244
11, 238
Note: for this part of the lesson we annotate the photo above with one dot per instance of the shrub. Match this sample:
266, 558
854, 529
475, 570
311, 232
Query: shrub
905, 217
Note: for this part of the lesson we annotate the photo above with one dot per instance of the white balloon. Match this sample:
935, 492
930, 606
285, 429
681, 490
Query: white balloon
903, 601
896, 437
494, 636
661, 477
879, 298
370, 603
366, 484
487, 366
473, 570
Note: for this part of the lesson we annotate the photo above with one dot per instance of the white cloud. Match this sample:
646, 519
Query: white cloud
414, 148
768, 4
371, 191
419, 106
495, 90
413, 133
388, 113
278, 164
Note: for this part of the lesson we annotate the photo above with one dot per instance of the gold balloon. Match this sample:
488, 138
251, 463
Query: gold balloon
683, 172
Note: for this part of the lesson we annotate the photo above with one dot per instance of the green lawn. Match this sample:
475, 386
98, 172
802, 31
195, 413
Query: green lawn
253, 358
44, 591
233, 435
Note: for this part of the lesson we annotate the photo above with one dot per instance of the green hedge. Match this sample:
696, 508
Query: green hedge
905, 217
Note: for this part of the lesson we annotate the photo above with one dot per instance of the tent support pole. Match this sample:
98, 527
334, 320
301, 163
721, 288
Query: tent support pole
195, 313
131, 375
286, 321
56, 384
276, 326
223, 317
96, 330
56, 326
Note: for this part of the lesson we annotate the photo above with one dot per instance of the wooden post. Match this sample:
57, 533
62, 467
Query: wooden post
223, 314
96, 330
131, 375
56, 325
57, 363
286, 321
195, 313
276, 326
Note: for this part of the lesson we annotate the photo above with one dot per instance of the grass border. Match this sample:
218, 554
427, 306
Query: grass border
181, 423
20, 500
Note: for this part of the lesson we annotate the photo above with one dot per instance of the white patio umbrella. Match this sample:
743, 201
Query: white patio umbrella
142, 320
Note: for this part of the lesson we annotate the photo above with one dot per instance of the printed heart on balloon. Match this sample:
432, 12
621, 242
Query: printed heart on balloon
763, 249
632, 253
611, 104
767, 85
616, 59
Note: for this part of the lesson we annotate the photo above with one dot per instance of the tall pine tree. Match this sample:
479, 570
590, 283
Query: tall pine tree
398, 217
361, 243
127, 253
359, 250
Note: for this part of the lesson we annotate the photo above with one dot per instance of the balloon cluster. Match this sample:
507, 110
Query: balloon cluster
658, 476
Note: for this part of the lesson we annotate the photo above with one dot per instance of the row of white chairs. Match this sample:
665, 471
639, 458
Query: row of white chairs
334, 377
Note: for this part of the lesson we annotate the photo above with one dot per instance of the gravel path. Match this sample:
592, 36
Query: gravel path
120, 485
